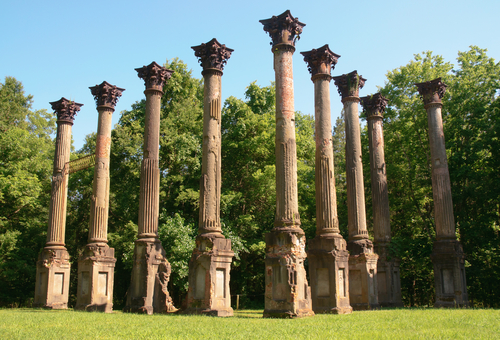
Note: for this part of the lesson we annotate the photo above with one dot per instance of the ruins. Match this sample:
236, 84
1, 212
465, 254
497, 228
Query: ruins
388, 275
148, 291
328, 255
287, 292
96, 264
362, 259
210, 262
447, 255
53, 267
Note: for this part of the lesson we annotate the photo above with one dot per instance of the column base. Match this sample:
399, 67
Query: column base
95, 279
209, 270
287, 293
148, 292
363, 292
52, 278
449, 274
329, 274
388, 278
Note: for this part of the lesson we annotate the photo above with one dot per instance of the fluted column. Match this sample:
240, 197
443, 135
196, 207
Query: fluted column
284, 30
447, 255
389, 286
148, 291
53, 268
210, 263
328, 256
96, 264
362, 259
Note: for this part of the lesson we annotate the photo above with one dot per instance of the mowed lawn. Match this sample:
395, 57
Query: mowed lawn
248, 324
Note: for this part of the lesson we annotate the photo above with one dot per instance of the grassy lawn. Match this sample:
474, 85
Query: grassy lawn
249, 324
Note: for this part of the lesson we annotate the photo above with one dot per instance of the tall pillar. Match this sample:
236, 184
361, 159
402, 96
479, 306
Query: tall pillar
362, 260
97, 263
210, 262
53, 267
148, 291
388, 276
447, 255
287, 291
328, 255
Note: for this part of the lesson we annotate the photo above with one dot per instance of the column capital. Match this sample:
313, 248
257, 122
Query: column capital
432, 91
283, 29
374, 105
106, 94
348, 85
154, 76
320, 61
65, 110
212, 56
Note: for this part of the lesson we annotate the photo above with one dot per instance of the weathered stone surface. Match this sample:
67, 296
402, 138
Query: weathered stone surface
96, 264
287, 290
447, 255
148, 291
210, 263
53, 267
328, 256
362, 259
388, 278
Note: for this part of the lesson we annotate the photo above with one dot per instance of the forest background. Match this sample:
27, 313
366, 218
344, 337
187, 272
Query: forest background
471, 115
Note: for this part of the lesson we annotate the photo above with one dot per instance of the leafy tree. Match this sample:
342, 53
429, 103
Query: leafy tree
26, 158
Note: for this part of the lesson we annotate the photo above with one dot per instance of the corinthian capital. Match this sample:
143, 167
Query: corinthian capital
374, 105
65, 109
321, 60
432, 91
154, 75
283, 29
212, 55
106, 94
348, 85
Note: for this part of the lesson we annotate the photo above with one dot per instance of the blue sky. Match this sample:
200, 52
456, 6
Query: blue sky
60, 48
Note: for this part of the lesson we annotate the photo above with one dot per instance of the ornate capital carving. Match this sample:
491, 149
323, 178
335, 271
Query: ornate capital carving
283, 29
65, 109
212, 55
106, 94
321, 60
348, 85
432, 91
154, 75
374, 105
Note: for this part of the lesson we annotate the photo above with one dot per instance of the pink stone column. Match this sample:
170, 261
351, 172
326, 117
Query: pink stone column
285, 244
210, 264
96, 264
362, 260
53, 267
328, 255
148, 291
389, 282
447, 255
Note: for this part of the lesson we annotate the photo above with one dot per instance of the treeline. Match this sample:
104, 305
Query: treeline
471, 115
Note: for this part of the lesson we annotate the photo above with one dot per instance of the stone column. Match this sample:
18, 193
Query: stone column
96, 264
328, 255
148, 291
388, 276
287, 291
447, 255
210, 262
362, 260
53, 267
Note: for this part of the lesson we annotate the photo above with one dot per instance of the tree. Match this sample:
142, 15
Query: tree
26, 158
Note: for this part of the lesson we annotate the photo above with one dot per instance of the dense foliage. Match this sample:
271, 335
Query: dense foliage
471, 115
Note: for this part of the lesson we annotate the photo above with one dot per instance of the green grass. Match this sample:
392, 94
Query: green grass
249, 324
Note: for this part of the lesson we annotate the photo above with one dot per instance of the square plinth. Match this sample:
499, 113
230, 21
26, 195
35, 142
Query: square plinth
363, 291
52, 279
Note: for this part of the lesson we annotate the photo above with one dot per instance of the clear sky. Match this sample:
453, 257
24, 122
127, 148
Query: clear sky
60, 48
